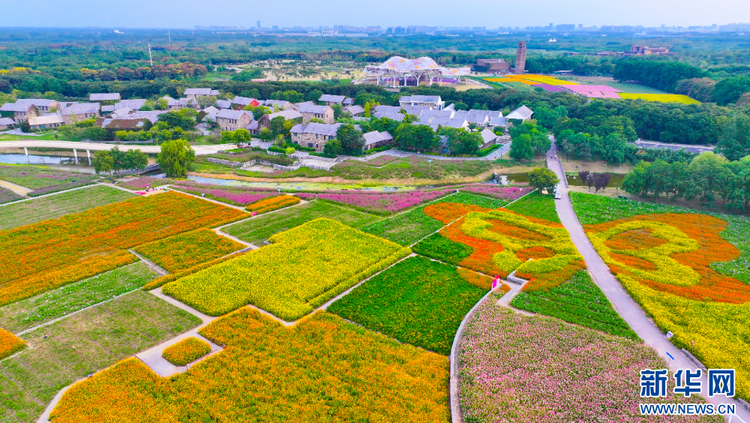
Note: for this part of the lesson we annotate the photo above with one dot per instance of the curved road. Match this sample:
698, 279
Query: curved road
95, 146
626, 306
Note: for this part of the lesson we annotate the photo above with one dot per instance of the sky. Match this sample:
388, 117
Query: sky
287, 13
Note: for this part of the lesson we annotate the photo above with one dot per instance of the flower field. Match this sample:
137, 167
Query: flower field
577, 301
323, 369
189, 249
186, 351
417, 301
531, 79
273, 203
667, 262
536, 205
661, 98
381, 203
53, 253
9, 344
302, 269
532, 369
238, 196
7, 196
500, 242
44, 180
506, 193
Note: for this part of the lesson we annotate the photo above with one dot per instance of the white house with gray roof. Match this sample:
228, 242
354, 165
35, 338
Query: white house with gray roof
522, 113
21, 112
432, 101
201, 92
231, 120
377, 139
99, 97
311, 111
78, 112
314, 135
42, 105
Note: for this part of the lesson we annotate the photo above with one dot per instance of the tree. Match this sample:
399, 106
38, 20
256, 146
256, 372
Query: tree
601, 181
277, 126
118, 157
175, 157
183, 118
543, 179
734, 142
521, 148
636, 181
103, 162
228, 137
337, 110
462, 142
242, 136
352, 140
333, 148
729, 90
135, 160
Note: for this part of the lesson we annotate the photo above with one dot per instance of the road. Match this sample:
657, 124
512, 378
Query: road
93, 146
626, 306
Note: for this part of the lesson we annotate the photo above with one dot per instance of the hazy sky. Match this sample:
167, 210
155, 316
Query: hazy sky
488, 13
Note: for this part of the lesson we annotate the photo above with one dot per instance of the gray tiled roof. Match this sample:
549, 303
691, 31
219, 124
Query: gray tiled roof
15, 107
522, 113
232, 114
279, 103
355, 110
311, 108
223, 104
286, 114
390, 115
242, 101
201, 91
499, 121
38, 102
46, 120
375, 137
134, 104
81, 108
7, 121
387, 109
104, 97
316, 128
328, 98
421, 99
488, 136
421, 110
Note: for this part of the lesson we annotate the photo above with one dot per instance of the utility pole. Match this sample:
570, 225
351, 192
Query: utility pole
150, 58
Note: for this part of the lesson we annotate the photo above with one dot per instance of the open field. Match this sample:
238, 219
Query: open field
44, 180
52, 207
68, 350
322, 367
661, 98
259, 229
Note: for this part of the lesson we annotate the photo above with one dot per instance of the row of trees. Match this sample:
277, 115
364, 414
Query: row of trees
707, 177
117, 160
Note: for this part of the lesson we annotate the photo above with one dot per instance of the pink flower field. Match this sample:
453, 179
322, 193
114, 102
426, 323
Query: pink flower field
380, 202
232, 195
508, 193
540, 369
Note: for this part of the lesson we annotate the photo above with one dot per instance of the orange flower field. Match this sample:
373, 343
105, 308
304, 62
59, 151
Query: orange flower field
268, 372
52, 253
189, 249
272, 203
186, 351
9, 344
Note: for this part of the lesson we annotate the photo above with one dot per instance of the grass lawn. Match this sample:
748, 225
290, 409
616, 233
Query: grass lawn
536, 205
259, 229
54, 206
70, 349
44, 137
405, 228
412, 168
43, 308
577, 301
418, 301
303, 268
322, 370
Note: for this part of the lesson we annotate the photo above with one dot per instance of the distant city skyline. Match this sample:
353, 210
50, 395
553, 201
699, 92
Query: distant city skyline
384, 13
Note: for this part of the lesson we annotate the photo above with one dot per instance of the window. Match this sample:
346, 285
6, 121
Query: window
309, 144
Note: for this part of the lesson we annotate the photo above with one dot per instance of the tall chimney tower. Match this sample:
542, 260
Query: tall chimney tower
521, 57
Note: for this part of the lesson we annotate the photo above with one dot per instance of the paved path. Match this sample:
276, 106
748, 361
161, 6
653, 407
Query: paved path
72, 145
623, 303
18, 189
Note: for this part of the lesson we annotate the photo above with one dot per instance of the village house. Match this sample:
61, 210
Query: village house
104, 97
42, 105
290, 115
330, 100
134, 104
310, 111
277, 104
522, 113
493, 66
78, 112
20, 112
223, 104
314, 135
489, 138
354, 110
231, 120
242, 102
47, 121
194, 93
112, 126
6, 123
377, 139
431, 101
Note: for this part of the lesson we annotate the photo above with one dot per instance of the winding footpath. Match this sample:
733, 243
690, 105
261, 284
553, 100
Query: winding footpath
623, 303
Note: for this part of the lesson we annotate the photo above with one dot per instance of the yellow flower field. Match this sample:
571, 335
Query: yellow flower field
9, 344
186, 351
323, 369
661, 98
189, 249
531, 79
302, 269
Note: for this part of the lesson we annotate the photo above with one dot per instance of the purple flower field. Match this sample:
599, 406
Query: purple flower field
234, 195
382, 202
540, 369
144, 182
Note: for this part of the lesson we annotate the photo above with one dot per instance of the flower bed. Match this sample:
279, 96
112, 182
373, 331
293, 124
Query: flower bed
6, 196
52, 253
506, 193
143, 182
302, 269
237, 196
661, 98
383, 203
186, 250
44, 180
501, 242
159, 282
530, 369
418, 301
666, 262
9, 344
322, 367
186, 351
274, 203
577, 301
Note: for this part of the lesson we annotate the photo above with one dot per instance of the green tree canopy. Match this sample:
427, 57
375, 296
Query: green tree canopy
175, 157
543, 179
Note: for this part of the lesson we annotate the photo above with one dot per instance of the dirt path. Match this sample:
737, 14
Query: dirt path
18, 189
623, 303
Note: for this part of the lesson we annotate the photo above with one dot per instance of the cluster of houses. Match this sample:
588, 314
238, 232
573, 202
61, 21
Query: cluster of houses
315, 124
